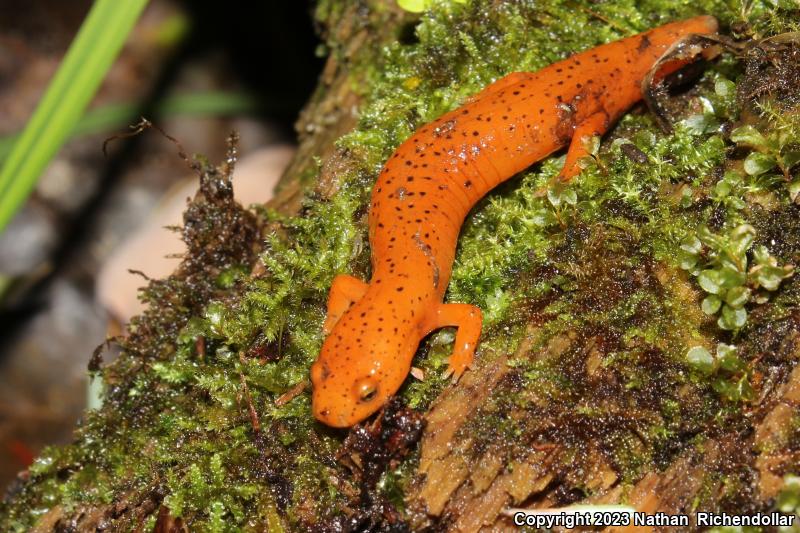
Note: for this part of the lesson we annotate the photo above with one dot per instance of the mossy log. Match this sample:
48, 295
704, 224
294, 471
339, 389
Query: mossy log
642, 325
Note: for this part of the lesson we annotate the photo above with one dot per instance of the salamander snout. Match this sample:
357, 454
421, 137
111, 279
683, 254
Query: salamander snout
356, 374
338, 403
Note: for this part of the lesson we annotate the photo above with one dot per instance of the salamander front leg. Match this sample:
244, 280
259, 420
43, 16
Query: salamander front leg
345, 291
596, 124
468, 319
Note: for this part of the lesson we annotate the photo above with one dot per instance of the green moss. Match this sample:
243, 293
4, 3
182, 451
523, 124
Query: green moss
595, 265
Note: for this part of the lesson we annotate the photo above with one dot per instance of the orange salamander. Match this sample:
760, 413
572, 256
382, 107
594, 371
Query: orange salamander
425, 191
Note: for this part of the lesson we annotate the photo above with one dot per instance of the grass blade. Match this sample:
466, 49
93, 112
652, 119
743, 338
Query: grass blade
88, 59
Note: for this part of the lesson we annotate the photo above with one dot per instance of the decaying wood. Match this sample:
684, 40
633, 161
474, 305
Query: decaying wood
468, 490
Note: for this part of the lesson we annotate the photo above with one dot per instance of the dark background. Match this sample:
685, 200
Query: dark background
51, 320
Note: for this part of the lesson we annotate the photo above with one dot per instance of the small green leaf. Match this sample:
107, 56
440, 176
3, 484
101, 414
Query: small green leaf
722, 188
692, 245
737, 297
710, 281
554, 197
698, 124
724, 388
743, 237
736, 202
757, 163
761, 255
744, 390
732, 177
724, 87
724, 350
688, 261
790, 159
738, 391
748, 135
729, 277
711, 304
770, 277
700, 359
708, 238
732, 318
729, 358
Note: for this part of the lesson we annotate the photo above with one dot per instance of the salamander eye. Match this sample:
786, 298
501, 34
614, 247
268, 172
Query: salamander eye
366, 389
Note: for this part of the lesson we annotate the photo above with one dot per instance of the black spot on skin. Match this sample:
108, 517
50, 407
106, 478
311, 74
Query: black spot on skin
644, 44
468, 184
400, 289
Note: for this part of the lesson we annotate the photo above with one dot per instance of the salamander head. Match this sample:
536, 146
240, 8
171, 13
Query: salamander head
361, 365
652, 45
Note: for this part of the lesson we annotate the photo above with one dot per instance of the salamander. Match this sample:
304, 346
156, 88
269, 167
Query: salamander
427, 187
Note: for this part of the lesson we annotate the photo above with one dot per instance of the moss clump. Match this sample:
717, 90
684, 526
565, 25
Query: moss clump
206, 414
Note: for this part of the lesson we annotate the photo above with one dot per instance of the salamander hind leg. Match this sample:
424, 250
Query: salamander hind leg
595, 124
468, 319
345, 291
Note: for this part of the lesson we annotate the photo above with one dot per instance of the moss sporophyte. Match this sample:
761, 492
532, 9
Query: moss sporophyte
588, 312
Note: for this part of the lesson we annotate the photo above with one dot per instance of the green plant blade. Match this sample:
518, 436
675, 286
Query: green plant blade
89, 57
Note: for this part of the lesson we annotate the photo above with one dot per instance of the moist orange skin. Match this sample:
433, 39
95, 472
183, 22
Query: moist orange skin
425, 191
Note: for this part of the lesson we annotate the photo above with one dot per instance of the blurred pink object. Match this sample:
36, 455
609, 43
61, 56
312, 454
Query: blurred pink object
150, 246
